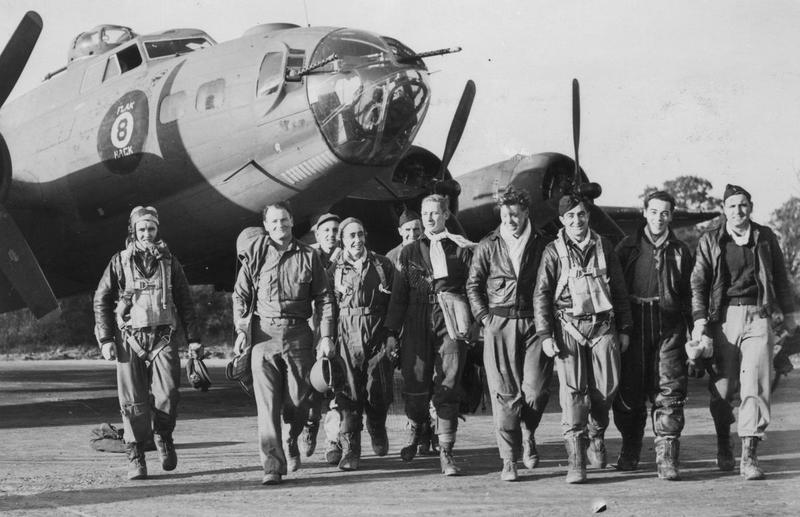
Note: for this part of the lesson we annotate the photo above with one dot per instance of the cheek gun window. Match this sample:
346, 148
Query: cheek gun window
210, 95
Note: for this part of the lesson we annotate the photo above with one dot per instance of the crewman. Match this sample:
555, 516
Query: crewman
362, 284
410, 228
500, 289
739, 283
582, 314
657, 268
326, 233
283, 276
432, 356
143, 294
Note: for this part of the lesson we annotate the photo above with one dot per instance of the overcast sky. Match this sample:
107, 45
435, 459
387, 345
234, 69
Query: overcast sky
709, 88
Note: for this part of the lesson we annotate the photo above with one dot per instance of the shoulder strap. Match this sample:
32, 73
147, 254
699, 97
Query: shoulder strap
563, 257
381, 273
600, 254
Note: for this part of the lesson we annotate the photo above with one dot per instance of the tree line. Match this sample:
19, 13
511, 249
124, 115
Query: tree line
20, 333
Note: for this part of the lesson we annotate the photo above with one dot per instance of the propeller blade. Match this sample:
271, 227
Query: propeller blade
604, 224
457, 126
576, 126
19, 265
17, 51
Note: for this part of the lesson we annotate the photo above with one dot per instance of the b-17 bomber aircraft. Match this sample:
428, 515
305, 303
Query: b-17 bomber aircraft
209, 133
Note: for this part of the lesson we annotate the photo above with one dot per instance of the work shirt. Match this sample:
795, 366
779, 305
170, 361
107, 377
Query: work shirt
283, 284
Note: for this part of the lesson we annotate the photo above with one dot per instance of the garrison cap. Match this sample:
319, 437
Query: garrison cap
324, 218
570, 201
733, 190
407, 216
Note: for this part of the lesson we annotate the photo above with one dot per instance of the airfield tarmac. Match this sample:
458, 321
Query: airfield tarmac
47, 409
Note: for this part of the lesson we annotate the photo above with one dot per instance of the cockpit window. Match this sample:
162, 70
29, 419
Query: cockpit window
123, 61
174, 47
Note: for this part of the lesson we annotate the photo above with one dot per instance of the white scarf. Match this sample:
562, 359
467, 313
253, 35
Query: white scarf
357, 263
656, 241
739, 239
516, 245
438, 258
584, 243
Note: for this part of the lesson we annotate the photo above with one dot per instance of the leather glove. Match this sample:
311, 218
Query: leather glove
707, 347
624, 342
695, 363
240, 344
393, 350
108, 351
549, 347
325, 348
196, 351
699, 329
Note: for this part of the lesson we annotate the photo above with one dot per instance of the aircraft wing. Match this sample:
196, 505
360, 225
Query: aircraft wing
630, 218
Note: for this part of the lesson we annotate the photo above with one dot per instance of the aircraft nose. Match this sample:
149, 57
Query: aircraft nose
370, 107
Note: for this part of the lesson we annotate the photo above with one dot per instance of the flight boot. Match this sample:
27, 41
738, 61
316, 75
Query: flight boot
629, 453
425, 435
308, 438
725, 460
667, 450
166, 450
333, 453
137, 468
596, 454
576, 457
408, 452
748, 467
293, 454
378, 437
530, 456
448, 462
351, 450
509, 472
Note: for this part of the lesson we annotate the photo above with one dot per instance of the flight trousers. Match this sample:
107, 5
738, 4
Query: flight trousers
653, 369
147, 387
519, 376
368, 370
743, 349
588, 374
431, 364
281, 361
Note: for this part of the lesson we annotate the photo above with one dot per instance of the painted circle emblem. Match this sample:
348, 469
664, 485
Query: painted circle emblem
123, 133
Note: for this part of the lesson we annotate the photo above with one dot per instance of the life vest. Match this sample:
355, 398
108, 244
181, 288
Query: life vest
588, 286
151, 302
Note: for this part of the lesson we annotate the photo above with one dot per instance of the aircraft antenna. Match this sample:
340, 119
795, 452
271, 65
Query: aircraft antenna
305, 8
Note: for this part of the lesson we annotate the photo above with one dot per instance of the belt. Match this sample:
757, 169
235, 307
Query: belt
511, 312
363, 311
424, 300
644, 301
286, 322
602, 316
742, 300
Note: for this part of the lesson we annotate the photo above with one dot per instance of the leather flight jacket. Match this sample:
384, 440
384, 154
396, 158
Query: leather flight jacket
674, 290
709, 276
494, 287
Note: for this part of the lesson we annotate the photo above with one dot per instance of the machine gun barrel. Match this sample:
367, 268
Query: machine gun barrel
430, 53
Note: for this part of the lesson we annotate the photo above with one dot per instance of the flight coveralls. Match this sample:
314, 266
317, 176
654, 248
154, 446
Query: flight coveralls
584, 324
284, 284
431, 362
144, 296
362, 294
740, 325
518, 372
654, 366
